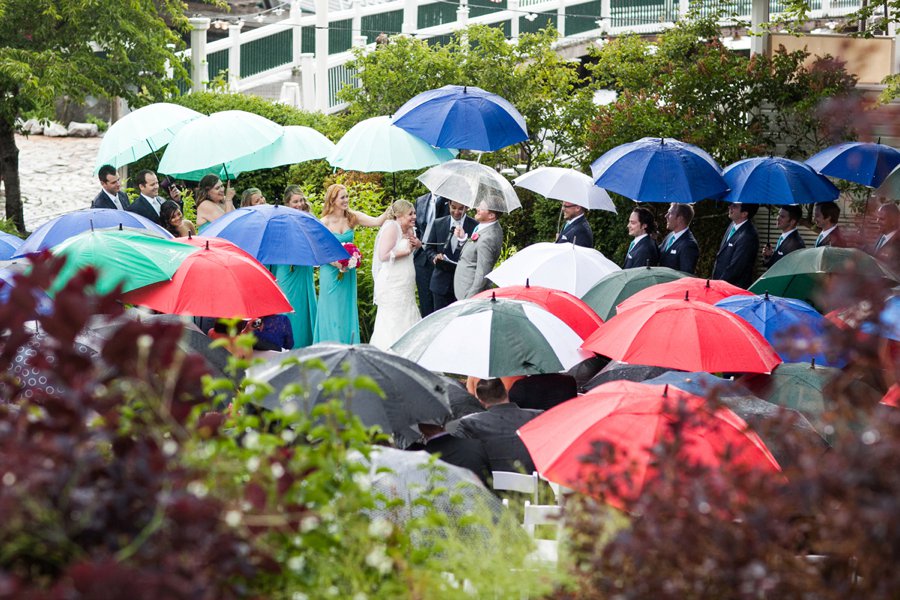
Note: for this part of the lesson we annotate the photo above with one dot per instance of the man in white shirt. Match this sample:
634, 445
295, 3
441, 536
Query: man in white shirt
826, 215
887, 246
739, 248
789, 240
148, 203
679, 250
443, 248
576, 230
111, 196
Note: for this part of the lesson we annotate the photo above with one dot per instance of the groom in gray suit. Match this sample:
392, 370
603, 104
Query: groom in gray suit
479, 253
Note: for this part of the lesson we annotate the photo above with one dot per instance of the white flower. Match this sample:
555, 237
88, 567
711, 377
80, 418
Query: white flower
252, 464
380, 528
307, 524
296, 563
378, 559
233, 518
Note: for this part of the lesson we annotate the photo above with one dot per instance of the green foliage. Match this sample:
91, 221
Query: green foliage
101, 124
9, 226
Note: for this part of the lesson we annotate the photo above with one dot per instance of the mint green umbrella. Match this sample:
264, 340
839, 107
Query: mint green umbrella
129, 257
374, 145
616, 287
141, 132
296, 144
209, 143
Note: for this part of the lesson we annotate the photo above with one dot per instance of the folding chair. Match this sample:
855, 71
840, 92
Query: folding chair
508, 481
544, 514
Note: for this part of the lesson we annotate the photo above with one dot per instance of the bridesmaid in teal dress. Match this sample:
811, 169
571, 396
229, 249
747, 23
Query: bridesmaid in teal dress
338, 315
296, 281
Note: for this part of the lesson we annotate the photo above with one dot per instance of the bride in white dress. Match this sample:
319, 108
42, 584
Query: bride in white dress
395, 276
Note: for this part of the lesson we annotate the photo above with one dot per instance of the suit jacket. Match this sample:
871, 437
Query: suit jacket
889, 253
463, 452
141, 207
102, 201
792, 242
578, 232
476, 260
683, 254
835, 238
645, 250
496, 428
737, 256
441, 209
438, 242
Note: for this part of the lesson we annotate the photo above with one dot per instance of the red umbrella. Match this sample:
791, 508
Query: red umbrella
634, 417
218, 281
892, 398
709, 291
570, 309
215, 244
684, 334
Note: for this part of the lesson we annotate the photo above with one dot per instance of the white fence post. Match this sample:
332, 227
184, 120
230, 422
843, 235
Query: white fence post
234, 54
826, 8
410, 16
513, 7
605, 15
759, 16
199, 67
462, 19
308, 81
561, 18
356, 21
296, 33
321, 55
684, 6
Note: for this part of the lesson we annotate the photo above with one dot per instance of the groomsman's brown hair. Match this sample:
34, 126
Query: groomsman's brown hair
491, 391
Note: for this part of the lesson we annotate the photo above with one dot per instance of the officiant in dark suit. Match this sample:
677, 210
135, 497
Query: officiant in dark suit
576, 230
429, 208
111, 196
443, 248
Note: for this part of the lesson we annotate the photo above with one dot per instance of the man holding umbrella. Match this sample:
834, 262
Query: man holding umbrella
443, 248
577, 230
479, 253
428, 208
789, 240
740, 245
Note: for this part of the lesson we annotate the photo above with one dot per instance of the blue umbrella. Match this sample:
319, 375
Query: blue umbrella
9, 243
43, 306
776, 180
61, 228
463, 117
888, 324
794, 328
860, 162
276, 235
659, 170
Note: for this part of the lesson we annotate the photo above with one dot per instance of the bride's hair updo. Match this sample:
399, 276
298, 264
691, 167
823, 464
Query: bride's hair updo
400, 208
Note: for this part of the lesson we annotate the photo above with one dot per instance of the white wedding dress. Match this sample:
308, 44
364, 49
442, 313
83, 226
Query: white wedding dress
395, 290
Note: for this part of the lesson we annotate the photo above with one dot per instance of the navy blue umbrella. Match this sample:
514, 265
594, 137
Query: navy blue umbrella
463, 117
794, 328
861, 162
9, 244
277, 235
776, 180
659, 170
61, 228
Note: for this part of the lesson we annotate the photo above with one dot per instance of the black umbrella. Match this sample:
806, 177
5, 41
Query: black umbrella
617, 371
462, 403
411, 393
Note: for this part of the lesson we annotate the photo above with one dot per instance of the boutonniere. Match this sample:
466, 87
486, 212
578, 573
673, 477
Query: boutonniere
474, 237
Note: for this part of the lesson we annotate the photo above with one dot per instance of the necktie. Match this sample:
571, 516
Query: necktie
669, 243
731, 231
429, 218
631, 245
778, 243
116, 203
881, 242
819, 239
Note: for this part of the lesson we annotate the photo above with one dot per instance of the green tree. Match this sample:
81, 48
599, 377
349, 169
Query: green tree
54, 48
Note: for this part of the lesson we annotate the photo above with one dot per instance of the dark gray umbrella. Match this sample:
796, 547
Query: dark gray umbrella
462, 403
617, 371
411, 393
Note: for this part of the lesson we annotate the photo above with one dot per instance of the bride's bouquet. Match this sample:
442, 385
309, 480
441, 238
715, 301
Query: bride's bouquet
354, 262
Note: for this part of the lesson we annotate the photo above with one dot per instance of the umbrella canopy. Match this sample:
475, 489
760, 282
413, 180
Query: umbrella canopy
890, 187
567, 185
209, 142
686, 335
43, 304
635, 417
567, 267
59, 229
122, 257
861, 162
411, 394
277, 235
570, 310
776, 180
888, 322
619, 371
892, 397
213, 282
492, 338
141, 132
709, 291
618, 286
794, 328
471, 183
377, 145
9, 244
801, 273
464, 117
659, 170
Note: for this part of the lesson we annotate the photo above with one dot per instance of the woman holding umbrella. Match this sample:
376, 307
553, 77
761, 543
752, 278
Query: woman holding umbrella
338, 316
213, 200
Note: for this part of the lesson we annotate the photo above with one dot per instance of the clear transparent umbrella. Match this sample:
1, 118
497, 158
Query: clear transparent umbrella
471, 183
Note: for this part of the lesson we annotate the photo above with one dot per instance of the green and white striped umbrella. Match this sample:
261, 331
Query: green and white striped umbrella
492, 338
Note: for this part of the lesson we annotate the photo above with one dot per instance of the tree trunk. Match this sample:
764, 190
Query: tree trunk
9, 167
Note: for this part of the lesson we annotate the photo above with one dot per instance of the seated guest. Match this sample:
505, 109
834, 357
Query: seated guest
462, 452
642, 252
496, 428
171, 219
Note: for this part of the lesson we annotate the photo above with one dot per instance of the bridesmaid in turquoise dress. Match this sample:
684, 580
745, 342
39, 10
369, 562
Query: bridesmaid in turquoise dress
296, 281
338, 315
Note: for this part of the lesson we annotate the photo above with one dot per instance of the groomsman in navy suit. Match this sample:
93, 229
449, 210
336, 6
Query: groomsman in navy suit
443, 248
577, 230
789, 240
111, 196
887, 247
679, 250
826, 215
429, 208
642, 251
740, 245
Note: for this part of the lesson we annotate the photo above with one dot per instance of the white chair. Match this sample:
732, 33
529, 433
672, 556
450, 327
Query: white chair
508, 481
543, 514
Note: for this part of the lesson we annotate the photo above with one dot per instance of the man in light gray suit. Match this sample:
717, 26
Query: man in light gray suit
479, 253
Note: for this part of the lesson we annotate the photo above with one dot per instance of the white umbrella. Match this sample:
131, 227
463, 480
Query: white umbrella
565, 267
374, 145
470, 183
567, 185
492, 338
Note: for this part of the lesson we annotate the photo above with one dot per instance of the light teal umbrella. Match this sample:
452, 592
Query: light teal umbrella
141, 132
129, 257
296, 144
374, 145
210, 143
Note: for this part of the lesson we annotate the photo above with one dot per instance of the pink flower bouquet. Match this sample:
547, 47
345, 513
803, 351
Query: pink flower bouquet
354, 262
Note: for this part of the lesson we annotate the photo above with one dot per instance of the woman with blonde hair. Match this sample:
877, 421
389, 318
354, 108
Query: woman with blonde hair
252, 197
338, 315
212, 200
395, 275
